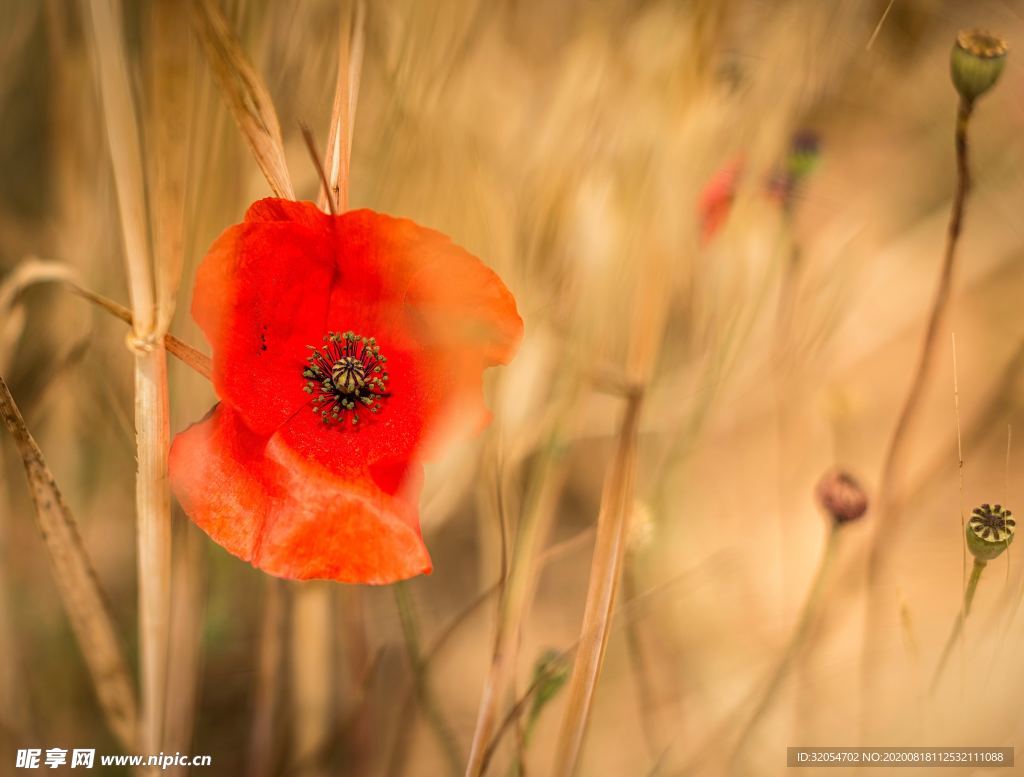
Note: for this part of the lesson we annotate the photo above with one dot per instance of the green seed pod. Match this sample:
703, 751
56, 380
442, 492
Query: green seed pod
977, 60
990, 531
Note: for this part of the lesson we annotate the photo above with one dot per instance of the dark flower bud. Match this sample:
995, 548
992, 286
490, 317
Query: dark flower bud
841, 496
977, 60
990, 531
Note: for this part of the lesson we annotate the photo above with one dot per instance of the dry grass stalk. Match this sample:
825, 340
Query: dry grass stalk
169, 113
246, 95
126, 157
269, 680
891, 489
184, 655
312, 703
518, 589
343, 111
33, 271
14, 709
153, 503
152, 413
26, 274
649, 316
425, 695
179, 349
168, 119
76, 582
605, 576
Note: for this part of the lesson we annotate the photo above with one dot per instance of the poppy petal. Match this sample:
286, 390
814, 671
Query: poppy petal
215, 470
438, 314
273, 209
261, 297
349, 530
267, 504
399, 269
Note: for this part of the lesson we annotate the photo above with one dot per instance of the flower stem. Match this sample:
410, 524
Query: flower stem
958, 623
605, 575
796, 641
889, 491
424, 693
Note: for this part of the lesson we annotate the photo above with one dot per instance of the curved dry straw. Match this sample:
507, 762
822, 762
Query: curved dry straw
77, 583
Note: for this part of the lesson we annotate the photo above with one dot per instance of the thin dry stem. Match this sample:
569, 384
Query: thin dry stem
307, 136
169, 121
76, 582
337, 161
181, 350
890, 489
269, 681
33, 271
797, 643
517, 594
169, 117
184, 659
310, 659
153, 503
515, 714
605, 575
124, 141
27, 273
425, 695
654, 728
152, 411
245, 93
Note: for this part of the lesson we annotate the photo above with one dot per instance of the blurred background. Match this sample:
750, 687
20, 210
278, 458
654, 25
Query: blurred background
752, 194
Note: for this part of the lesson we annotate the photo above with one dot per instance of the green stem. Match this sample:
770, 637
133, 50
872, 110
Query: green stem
424, 693
958, 623
796, 641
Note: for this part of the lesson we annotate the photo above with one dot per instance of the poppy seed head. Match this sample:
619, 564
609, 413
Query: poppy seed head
976, 62
990, 530
841, 496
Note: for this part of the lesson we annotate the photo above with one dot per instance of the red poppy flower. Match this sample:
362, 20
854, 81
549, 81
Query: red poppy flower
716, 198
345, 350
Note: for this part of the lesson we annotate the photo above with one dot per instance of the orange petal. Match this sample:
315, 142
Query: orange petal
273, 507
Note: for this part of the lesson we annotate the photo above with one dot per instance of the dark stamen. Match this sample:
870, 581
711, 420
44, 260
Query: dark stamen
345, 374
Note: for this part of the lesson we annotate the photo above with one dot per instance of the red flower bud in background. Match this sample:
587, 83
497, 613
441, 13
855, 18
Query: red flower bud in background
716, 198
346, 349
715, 202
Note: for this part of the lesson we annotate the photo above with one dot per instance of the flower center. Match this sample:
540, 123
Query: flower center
994, 524
345, 375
